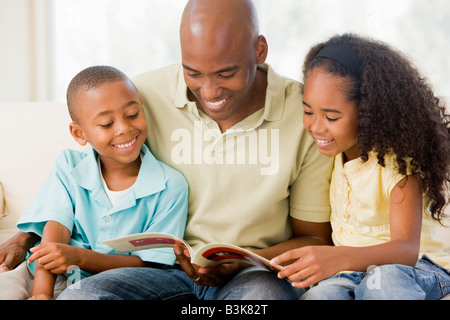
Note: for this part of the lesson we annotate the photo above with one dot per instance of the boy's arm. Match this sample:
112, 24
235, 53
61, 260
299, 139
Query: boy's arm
44, 280
56, 258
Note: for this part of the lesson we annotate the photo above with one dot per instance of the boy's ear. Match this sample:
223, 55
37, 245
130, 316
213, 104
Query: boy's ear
77, 133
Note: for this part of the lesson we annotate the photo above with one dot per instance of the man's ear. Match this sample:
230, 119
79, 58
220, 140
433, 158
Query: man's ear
262, 50
77, 133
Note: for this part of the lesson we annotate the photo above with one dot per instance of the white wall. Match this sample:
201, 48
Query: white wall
23, 55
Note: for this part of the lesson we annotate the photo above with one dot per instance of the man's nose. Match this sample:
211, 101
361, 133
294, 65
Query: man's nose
210, 89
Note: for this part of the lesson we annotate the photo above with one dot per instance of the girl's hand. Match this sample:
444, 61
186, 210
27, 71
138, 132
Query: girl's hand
55, 257
313, 264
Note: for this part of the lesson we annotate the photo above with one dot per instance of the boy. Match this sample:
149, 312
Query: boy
115, 188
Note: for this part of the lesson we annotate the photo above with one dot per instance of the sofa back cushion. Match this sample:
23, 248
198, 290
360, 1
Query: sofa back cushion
33, 134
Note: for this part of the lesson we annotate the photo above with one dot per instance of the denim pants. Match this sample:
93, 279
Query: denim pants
171, 283
426, 281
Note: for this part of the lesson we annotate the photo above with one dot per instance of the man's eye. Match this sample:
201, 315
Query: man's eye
193, 75
226, 76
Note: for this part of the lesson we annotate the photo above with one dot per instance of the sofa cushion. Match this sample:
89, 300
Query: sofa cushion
2, 201
33, 134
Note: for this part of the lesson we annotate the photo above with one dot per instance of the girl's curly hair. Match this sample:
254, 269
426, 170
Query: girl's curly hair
398, 112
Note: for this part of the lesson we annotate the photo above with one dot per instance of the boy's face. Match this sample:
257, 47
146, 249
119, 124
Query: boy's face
112, 120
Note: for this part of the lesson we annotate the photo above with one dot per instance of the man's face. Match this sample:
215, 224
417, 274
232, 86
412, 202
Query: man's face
220, 74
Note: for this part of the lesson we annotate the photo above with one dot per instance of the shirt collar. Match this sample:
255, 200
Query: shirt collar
275, 94
150, 180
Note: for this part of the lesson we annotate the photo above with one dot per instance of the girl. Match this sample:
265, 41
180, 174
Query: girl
368, 107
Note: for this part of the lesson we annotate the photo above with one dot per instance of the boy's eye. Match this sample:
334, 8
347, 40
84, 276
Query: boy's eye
108, 125
133, 116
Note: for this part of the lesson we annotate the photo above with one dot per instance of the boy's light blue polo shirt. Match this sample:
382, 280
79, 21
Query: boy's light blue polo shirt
73, 195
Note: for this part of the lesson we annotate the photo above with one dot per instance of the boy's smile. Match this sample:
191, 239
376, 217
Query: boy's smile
113, 122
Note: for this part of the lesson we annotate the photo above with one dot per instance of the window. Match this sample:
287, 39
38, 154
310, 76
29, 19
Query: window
141, 35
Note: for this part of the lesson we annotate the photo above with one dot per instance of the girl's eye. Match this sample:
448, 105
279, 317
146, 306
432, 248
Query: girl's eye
332, 119
307, 113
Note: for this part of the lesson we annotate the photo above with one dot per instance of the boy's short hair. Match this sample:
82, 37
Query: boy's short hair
90, 78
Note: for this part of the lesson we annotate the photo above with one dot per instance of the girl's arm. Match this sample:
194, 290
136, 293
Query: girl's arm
44, 280
316, 263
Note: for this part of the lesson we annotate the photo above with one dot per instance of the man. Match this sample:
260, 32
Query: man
233, 127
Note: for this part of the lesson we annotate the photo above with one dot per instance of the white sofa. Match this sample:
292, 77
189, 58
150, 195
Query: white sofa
33, 134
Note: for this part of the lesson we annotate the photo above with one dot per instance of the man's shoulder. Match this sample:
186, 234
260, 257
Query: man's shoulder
169, 72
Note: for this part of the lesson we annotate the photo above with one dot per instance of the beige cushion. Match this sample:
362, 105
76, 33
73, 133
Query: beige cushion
16, 284
33, 134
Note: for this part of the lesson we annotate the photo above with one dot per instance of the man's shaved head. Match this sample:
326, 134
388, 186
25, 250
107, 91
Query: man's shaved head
221, 49
219, 19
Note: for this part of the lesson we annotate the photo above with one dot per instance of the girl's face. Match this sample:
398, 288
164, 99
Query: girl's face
329, 117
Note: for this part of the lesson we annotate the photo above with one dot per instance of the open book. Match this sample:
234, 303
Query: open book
209, 255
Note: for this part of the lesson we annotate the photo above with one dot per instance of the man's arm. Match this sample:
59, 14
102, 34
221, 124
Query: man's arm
13, 251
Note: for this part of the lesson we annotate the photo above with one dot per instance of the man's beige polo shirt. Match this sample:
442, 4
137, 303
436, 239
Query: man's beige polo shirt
244, 184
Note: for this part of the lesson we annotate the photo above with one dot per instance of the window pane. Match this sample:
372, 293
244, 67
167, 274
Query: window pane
140, 35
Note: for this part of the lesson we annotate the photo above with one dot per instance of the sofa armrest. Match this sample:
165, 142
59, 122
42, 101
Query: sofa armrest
2, 201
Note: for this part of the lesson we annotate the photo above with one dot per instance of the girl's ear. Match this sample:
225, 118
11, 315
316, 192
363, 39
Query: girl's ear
77, 133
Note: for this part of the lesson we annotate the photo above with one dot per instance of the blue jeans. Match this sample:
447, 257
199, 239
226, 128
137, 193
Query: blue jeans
171, 283
426, 281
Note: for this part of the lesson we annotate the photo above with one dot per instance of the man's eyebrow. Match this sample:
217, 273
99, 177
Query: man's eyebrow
227, 69
189, 68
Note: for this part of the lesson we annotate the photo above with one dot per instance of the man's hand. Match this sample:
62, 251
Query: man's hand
11, 256
210, 276
13, 251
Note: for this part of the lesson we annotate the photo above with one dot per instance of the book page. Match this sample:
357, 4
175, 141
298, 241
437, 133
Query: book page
216, 253
143, 241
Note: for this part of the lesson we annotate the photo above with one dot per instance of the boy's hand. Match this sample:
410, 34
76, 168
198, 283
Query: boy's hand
313, 264
41, 297
55, 257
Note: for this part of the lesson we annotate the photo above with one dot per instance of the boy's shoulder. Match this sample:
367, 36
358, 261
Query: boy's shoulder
157, 170
69, 158
172, 174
